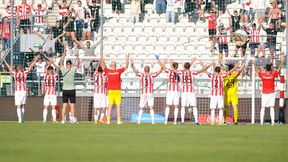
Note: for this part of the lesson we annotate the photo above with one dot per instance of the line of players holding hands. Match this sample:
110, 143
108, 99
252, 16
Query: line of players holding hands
224, 89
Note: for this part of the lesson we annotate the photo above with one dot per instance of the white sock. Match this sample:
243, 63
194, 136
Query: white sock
182, 112
152, 115
167, 110
96, 117
102, 116
272, 115
212, 115
140, 115
195, 113
19, 114
54, 114
22, 113
45, 113
262, 114
220, 115
175, 114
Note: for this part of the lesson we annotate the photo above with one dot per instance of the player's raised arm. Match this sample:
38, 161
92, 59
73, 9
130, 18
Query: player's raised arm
33, 63
193, 59
56, 66
205, 68
133, 67
282, 60
255, 66
7, 65
127, 61
241, 69
159, 72
159, 62
78, 62
102, 63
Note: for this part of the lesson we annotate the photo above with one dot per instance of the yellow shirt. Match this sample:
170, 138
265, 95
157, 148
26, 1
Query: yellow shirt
231, 83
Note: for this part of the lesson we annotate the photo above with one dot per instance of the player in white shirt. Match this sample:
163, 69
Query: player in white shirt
49, 89
100, 94
173, 89
19, 76
188, 97
147, 96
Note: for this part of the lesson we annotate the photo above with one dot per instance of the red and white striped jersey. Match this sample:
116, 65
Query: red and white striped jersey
20, 80
100, 82
146, 82
24, 10
187, 84
254, 38
217, 84
173, 80
222, 38
39, 16
50, 83
63, 10
9, 11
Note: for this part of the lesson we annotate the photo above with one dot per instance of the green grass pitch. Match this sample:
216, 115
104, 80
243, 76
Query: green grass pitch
38, 142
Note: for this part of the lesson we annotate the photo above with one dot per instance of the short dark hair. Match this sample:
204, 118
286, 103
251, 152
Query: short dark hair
268, 67
100, 70
230, 66
217, 69
187, 65
50, 68
68, 62
175, 65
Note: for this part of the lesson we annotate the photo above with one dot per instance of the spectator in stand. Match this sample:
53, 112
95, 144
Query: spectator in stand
254, 40
89, 50
40, 68
260, 8
234, 21
210, 5
170, 11
246, 10
222, 39
80, 14
24, 17
94, 12
56, 31
212, 19
116, 6
135, 10
63, 11
49, 4
243, 47
5, 33
221, 6
70, 26
10, 13
39, 15
160, 6
274, 15
49, 43
87, 27
270, 41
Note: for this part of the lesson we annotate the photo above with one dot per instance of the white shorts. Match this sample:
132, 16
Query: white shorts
268, 100
216, 102
38, 28
188, 99
86, 29
146, 99
100, 100
20, 97
172, 98
50, 100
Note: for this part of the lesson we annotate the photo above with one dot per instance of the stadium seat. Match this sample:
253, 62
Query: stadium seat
173, 39
138, 28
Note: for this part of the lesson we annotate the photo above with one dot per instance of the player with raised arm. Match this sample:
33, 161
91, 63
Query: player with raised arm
20, 76
69, 92
173, 89
114, 87
231, 92
268, 88
49, 88
100, 93
188, 97
217, 94
147, 96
